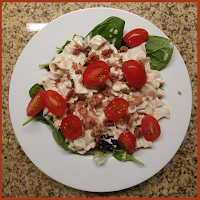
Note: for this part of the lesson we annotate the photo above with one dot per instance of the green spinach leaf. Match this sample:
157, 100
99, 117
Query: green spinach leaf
111, 29
159, 50
39, 117
34, 88
58, 136
123, 156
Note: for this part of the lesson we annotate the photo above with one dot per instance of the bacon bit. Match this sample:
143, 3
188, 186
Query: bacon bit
92, 110
116, 67
81, 67
131, 88
147, 98
58, 80
121, 61
179, 92
126, 117
137, 132
74, 65
123, 79
71, 108
106, 92
107, 123
96, 132
147, 52
107, 53
94, 101
82, 108
69, 95
83, 132
92, 57
82, 103
113, 78
86, 52
90, 122
135, 100
72, 81
83, 111
120, 121
123, 49
77, 48
130, 122
68, 74
78, 71
97, 140
141, 62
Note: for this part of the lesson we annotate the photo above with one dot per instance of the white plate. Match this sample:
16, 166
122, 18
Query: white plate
81, 172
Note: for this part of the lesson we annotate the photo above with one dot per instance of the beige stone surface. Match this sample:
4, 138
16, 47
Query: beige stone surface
20, 177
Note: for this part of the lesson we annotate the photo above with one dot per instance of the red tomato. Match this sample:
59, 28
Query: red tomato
127, 142
36, 104
150, 128
136, 37
116, 109
54, 102
96, 73
134, 73
71, 127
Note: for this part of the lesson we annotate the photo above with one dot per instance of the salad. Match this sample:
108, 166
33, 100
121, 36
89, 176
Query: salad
101, 94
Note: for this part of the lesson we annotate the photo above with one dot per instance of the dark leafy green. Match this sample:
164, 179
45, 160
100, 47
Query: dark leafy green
39, 117
159, 50
123, 156
58, 136
111, 29
66, 43
44, 65
34, 88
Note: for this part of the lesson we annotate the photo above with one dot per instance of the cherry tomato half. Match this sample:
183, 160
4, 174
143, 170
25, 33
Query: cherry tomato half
36, 104
116, 109
96, 73
150, 128
71, 127
134, 73
127, 142
135, 37
54, 102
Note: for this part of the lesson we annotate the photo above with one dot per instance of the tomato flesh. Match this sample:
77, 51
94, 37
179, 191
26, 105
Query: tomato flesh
96, 73
127, 142
54, 102
36, 104
135, 37
116, 109
134, 73
71, 127
150, 128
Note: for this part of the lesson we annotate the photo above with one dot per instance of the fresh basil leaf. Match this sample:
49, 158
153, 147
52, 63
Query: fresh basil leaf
159, 50
34, 88
123, 156
111, 29
58, 137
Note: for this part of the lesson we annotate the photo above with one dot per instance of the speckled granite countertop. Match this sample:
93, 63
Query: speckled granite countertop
20, 177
